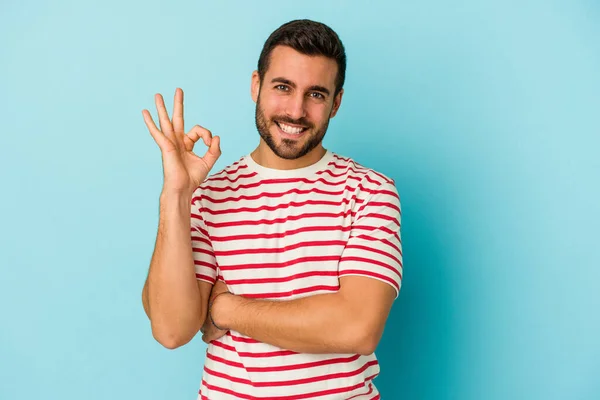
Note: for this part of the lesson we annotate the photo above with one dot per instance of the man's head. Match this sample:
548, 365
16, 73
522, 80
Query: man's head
298, 86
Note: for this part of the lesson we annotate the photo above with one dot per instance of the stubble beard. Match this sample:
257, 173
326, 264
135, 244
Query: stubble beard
289, 149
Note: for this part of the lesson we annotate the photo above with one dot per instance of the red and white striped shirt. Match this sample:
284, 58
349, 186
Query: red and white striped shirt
286, 234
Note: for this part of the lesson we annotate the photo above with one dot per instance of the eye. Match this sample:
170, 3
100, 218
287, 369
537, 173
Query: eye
281, 87
317, 95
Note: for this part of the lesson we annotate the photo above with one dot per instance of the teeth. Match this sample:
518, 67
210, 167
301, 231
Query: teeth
290, 129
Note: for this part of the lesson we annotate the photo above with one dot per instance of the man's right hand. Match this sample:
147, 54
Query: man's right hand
183, 170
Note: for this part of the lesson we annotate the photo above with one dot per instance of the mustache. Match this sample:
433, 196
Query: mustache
288, 120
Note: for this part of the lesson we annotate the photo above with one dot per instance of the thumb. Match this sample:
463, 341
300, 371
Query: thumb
214, 151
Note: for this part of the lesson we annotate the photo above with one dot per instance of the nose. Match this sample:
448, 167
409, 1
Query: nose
295, 107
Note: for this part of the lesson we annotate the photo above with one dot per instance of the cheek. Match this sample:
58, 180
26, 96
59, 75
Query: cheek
271, 107
318, 114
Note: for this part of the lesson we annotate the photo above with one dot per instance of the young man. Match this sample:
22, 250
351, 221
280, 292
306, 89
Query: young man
295, 255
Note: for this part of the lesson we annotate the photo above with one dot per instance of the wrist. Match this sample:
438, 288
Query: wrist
171, 197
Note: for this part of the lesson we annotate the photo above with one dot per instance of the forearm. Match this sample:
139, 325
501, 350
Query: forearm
324, 323
173, 299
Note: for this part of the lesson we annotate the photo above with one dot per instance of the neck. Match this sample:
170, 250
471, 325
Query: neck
264, 156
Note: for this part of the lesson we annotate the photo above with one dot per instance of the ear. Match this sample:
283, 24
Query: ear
255, 86
337, 102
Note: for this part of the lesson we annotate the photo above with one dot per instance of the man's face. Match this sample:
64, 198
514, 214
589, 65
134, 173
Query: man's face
295, 101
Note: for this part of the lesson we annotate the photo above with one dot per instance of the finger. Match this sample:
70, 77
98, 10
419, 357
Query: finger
206, 325
188, 143
163, 143
214, 152
208, 337
178, 111
163, 118
195, 134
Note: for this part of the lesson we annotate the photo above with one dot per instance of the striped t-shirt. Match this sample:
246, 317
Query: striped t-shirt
286, 234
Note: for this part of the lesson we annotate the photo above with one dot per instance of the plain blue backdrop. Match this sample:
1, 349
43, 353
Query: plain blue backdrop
486, 114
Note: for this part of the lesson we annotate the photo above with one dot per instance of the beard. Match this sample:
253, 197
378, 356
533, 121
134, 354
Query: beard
289, 149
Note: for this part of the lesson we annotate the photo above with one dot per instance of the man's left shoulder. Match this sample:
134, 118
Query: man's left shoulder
368, 177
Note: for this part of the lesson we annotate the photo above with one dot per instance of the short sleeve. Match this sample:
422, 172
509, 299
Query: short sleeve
202, 250
374, 248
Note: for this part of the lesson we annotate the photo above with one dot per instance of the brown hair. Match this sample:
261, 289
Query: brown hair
310, 38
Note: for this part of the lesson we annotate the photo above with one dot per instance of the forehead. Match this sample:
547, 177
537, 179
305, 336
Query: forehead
301, 69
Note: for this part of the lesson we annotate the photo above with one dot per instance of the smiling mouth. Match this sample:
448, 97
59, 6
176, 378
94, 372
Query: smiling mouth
290, 130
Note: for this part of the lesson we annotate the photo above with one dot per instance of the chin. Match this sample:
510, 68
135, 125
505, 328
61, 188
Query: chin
284, 151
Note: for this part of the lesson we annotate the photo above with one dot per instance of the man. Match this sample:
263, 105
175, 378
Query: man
295, 254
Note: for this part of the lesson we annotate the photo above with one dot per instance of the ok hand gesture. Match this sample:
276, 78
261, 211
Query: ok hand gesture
183, 170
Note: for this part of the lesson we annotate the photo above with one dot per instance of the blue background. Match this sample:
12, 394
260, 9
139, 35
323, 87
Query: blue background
485, 113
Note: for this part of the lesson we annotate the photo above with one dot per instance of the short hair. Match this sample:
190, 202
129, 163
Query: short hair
310, 38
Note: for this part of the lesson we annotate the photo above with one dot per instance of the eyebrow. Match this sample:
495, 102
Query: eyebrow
292, 84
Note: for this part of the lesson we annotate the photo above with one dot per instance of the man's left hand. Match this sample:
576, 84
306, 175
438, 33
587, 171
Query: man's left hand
209, 331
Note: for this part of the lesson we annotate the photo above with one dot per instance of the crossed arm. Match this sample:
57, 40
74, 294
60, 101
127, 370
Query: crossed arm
349, 321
